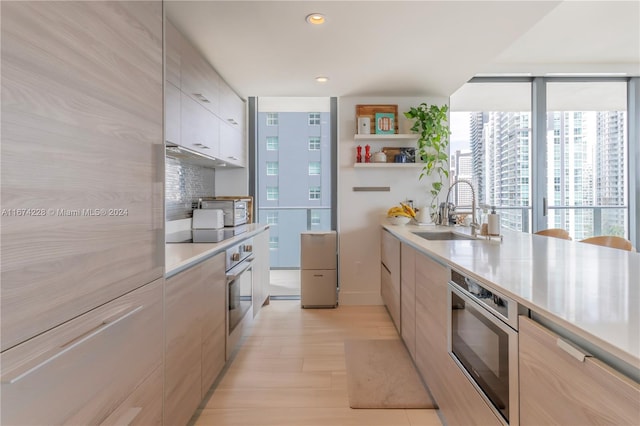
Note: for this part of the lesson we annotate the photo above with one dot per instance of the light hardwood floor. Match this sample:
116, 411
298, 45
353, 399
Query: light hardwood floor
290, 370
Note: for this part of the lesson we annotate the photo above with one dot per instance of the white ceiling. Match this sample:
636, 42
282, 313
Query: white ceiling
405, 48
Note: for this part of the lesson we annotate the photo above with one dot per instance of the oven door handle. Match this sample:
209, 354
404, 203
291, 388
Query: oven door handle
239, 269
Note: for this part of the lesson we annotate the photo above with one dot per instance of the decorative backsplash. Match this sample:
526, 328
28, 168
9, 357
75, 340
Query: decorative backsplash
185, 183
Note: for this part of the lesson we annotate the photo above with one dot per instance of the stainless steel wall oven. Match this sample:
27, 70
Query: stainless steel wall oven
483, 340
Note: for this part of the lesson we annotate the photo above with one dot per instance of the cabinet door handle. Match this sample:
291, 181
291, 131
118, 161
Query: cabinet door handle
20, 373
571, 350
232, 158
201, 97
318, 275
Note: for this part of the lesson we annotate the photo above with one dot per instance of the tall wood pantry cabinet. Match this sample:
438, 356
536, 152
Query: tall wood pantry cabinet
82, 206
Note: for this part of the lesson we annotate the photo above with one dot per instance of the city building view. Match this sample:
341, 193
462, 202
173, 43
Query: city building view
586, 166
293, 174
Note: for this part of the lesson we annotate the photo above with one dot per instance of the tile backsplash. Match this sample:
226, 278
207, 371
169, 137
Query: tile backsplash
184, 184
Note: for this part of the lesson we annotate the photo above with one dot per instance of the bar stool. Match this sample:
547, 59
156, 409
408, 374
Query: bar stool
610, 241
555, 232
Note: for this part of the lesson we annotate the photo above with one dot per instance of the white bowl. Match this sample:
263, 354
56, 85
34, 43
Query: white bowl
399, 220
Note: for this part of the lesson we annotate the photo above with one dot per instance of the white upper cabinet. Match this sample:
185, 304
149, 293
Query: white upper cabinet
232, 146
232, 107
198, 79
173, 43
199, 128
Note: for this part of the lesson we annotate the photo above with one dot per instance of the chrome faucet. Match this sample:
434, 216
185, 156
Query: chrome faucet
474, 225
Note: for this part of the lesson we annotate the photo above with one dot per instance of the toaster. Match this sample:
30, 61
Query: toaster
207, 219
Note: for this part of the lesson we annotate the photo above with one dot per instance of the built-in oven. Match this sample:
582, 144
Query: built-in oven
483, 340
239, 272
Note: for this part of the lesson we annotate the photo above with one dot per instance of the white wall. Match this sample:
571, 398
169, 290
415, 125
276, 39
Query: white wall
360, 213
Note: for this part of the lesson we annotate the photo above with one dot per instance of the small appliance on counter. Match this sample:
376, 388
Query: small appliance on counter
234, 210
207, 219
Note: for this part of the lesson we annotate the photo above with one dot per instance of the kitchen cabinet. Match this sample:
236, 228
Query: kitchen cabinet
172, 112
408, 297
457, 398
82, 147
198, 79
199, 128
184, 314
261, 267
195, 331
173, 44
431, 316
89, 369
379, 141
390, 276
559, 385
213, 323
232, 144
232, 107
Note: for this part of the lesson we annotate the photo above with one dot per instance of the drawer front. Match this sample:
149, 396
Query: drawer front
318, 287
557, 388
144, 405
79, 372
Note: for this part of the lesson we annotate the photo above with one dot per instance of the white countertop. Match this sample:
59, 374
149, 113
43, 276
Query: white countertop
180, 256
590, 290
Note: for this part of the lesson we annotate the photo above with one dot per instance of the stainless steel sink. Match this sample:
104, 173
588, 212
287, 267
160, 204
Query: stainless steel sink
443, 235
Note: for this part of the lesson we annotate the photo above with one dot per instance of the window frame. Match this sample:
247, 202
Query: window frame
538, 125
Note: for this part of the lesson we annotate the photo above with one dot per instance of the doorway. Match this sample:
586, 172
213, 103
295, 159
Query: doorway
294, 176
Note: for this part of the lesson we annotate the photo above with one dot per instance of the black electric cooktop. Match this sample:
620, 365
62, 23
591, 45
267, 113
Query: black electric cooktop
205, 235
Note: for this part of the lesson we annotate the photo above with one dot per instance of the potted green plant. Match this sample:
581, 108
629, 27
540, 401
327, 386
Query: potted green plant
432, 124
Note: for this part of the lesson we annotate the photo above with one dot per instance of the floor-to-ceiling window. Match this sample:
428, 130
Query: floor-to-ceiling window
587, 162
491, 146
294, 183
581, 150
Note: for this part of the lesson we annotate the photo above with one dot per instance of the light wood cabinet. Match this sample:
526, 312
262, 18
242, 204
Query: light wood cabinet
199, 128
431, 316
195, 332
82, 147
172, 56
390, 276
559, 388
408, 297
198, 80
83, 371
261, 268
184, 314
458, 400
213, 324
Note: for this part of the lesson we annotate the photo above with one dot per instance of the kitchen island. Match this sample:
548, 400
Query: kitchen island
567, 291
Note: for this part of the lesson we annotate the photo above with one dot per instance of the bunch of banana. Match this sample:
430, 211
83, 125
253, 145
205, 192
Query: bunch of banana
401, 210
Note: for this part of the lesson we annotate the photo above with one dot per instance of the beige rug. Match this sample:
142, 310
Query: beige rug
380, 374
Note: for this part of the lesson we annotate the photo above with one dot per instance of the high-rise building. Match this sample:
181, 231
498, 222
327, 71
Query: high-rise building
506, 140
476, 143
570, 146
294, 179
610, 171
462, 196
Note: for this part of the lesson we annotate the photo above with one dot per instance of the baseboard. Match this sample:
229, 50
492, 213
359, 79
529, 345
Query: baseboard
359, 298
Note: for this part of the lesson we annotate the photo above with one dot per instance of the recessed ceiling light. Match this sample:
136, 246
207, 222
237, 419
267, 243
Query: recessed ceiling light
315, 18
322, 79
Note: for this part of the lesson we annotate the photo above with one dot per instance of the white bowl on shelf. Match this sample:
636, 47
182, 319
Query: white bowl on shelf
399, 220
